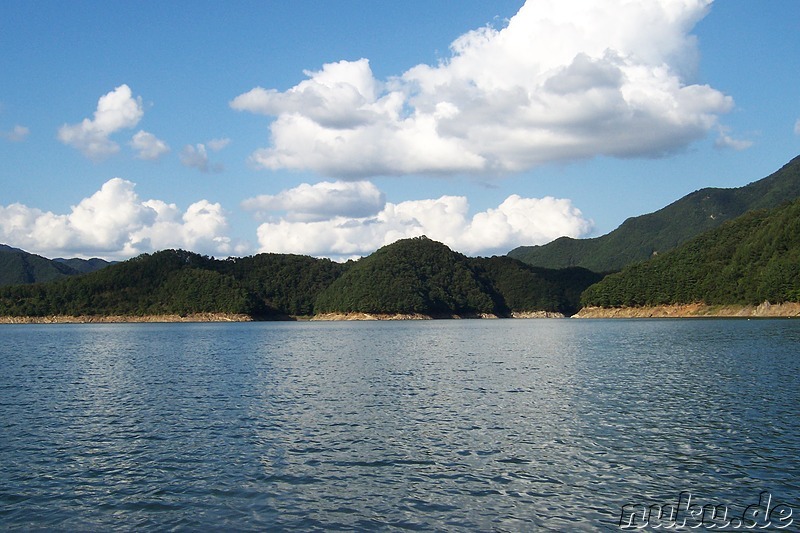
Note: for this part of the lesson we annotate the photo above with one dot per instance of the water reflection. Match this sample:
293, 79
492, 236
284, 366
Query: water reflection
473, 425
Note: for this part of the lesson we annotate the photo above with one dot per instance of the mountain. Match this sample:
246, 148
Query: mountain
19, 267
84, 266
180, 282
642, 237
423, 276
410, 276
749, 260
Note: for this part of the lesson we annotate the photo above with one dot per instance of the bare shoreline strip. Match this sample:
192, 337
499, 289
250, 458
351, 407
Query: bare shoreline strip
223, 317
695, 310
122, 319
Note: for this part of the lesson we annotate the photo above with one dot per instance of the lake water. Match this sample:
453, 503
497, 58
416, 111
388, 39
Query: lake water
505, 425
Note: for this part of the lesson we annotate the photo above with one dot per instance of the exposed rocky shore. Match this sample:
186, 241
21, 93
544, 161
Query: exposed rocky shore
118, 319
223, 317
696, 310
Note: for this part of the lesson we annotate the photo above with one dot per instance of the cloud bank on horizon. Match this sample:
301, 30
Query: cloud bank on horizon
339, 220
115, 223
562, 81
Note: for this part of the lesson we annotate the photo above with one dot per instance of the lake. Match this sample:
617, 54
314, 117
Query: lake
504, 425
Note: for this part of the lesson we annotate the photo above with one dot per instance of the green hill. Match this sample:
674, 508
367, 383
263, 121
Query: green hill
84, 266
642, 237
165, 282
753, 258
180, 282
409, 276
18, 267
424, 276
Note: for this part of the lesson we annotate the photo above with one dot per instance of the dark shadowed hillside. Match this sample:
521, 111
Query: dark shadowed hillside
19, 267
642, 237
424, 276
410, 276
753, 258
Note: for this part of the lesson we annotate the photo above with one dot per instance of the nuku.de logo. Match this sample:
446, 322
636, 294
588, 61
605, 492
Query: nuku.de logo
685, 513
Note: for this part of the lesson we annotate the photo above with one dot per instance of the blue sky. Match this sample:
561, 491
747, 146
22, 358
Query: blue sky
331, 128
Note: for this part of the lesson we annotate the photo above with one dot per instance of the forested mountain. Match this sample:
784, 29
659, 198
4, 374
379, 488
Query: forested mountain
424, 276
84, 266
753, 258
642, 237
523, 287
18, 266
180, 282
410, 276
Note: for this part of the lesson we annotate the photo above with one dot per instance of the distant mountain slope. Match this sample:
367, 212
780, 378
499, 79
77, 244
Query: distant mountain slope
641, 237
19, 267
753, 258
84, 266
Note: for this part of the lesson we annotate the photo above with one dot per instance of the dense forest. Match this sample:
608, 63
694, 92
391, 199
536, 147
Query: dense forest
642, 237
751, 259
410, 276
424, 276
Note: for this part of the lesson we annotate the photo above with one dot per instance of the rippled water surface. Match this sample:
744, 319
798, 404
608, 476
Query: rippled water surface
436, 425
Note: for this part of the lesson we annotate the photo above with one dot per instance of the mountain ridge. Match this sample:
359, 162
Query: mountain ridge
749, 260
410, 276
639, 238
20, 267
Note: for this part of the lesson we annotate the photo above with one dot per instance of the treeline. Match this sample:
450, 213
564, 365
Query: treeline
751, 259
409, 276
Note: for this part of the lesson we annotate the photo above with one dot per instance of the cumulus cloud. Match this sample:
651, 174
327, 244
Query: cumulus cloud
359, 221
197, 156
114, 223
322, 201
562, 81
148, 146
17, 134
116, 110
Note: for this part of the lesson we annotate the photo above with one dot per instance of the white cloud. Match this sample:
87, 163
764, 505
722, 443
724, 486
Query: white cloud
726, 141
148, 145
322, 201
197, 156
562, 81
17, 134
360, 222
215, 145
114, 223
797, 127
115, 111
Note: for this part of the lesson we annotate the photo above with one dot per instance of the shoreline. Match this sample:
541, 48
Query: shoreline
695, 310
225, 317
125, 319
